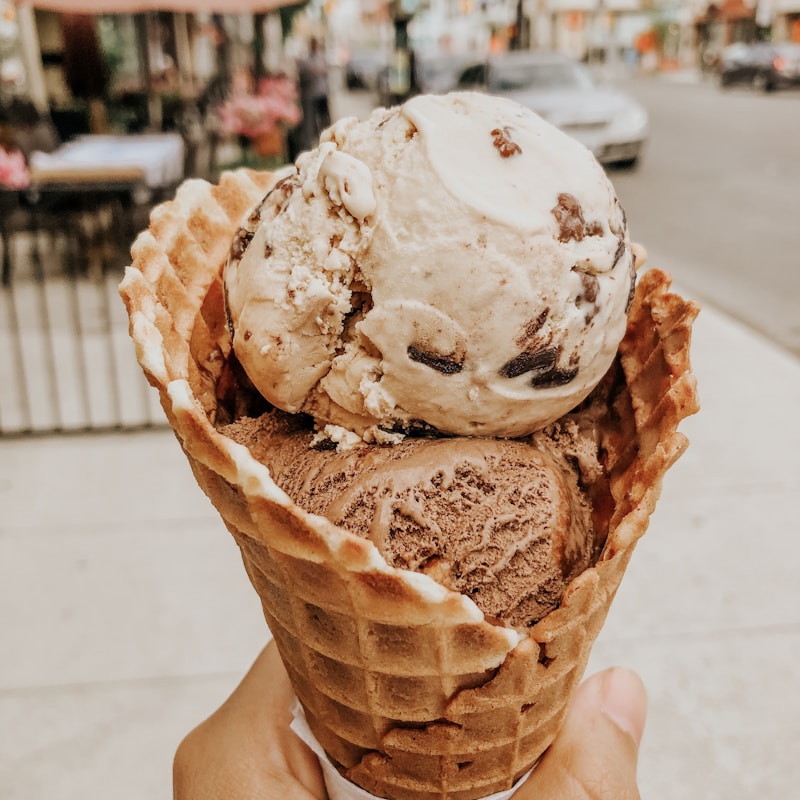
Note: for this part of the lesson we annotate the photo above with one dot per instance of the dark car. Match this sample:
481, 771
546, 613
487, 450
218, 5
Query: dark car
609, 122
763, 65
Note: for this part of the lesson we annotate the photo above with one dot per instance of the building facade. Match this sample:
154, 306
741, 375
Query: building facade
658, 34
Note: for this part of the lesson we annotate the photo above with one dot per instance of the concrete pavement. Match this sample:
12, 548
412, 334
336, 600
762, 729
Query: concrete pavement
127, 616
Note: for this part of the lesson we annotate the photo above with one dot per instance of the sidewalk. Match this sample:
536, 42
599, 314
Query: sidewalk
127, 616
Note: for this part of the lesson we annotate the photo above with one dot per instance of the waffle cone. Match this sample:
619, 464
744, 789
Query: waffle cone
412, 693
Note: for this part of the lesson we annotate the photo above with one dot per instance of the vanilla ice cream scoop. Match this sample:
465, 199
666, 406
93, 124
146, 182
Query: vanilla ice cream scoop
456, 262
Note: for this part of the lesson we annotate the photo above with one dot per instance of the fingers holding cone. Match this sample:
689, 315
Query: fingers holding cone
596, 753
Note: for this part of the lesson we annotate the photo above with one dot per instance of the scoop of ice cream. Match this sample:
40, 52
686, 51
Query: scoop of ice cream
503, 522
456, 262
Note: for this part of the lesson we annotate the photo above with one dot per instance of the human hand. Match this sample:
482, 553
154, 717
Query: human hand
595, 754
246, 751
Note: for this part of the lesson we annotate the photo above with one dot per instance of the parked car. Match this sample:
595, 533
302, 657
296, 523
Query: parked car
363, 68
434, 73
438, 73
764, 65
563, 91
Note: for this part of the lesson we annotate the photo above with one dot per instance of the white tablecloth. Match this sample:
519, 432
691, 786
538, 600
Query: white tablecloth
158, 156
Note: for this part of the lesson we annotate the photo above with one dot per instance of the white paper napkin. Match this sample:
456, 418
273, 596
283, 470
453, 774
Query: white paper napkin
339, 788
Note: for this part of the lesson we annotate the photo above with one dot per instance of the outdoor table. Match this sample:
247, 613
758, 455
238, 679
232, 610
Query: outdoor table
72, 184
155, 159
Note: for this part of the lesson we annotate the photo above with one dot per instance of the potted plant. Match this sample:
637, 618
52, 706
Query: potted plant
260, 116
14, 172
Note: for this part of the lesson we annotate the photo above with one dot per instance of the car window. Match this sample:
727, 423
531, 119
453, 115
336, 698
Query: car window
787, 50
736, 52
762, 52
434, 68
473, 76
517, 77
438, 74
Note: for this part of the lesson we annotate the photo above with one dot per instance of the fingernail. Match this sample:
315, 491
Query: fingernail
624, 701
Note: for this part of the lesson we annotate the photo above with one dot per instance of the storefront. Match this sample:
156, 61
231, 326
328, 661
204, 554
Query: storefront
115, 91
71, 53
783, 17
723, 24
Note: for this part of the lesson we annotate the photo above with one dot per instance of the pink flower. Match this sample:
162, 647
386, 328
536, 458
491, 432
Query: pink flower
13, 170
254, 114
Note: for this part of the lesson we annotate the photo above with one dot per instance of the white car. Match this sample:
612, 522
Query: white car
609, 122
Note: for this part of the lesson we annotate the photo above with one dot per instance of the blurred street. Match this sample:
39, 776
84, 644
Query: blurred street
715, 198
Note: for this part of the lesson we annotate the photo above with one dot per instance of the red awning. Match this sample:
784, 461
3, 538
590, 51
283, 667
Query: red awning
737, 9
136, 6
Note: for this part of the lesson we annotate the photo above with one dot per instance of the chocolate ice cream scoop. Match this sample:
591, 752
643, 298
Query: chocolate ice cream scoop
504, 522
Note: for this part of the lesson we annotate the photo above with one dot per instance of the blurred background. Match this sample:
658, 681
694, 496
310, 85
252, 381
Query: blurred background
126, 614
692, 106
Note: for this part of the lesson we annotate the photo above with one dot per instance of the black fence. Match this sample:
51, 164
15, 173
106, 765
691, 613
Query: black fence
66, 360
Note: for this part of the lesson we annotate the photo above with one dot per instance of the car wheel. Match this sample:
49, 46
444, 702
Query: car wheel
762, 83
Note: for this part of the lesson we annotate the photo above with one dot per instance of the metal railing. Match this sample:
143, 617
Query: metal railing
66, 360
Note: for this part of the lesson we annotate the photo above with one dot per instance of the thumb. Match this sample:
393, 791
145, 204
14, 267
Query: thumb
594, 756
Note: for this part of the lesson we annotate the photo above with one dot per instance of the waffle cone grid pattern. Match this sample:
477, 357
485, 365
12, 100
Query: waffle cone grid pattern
412, 693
